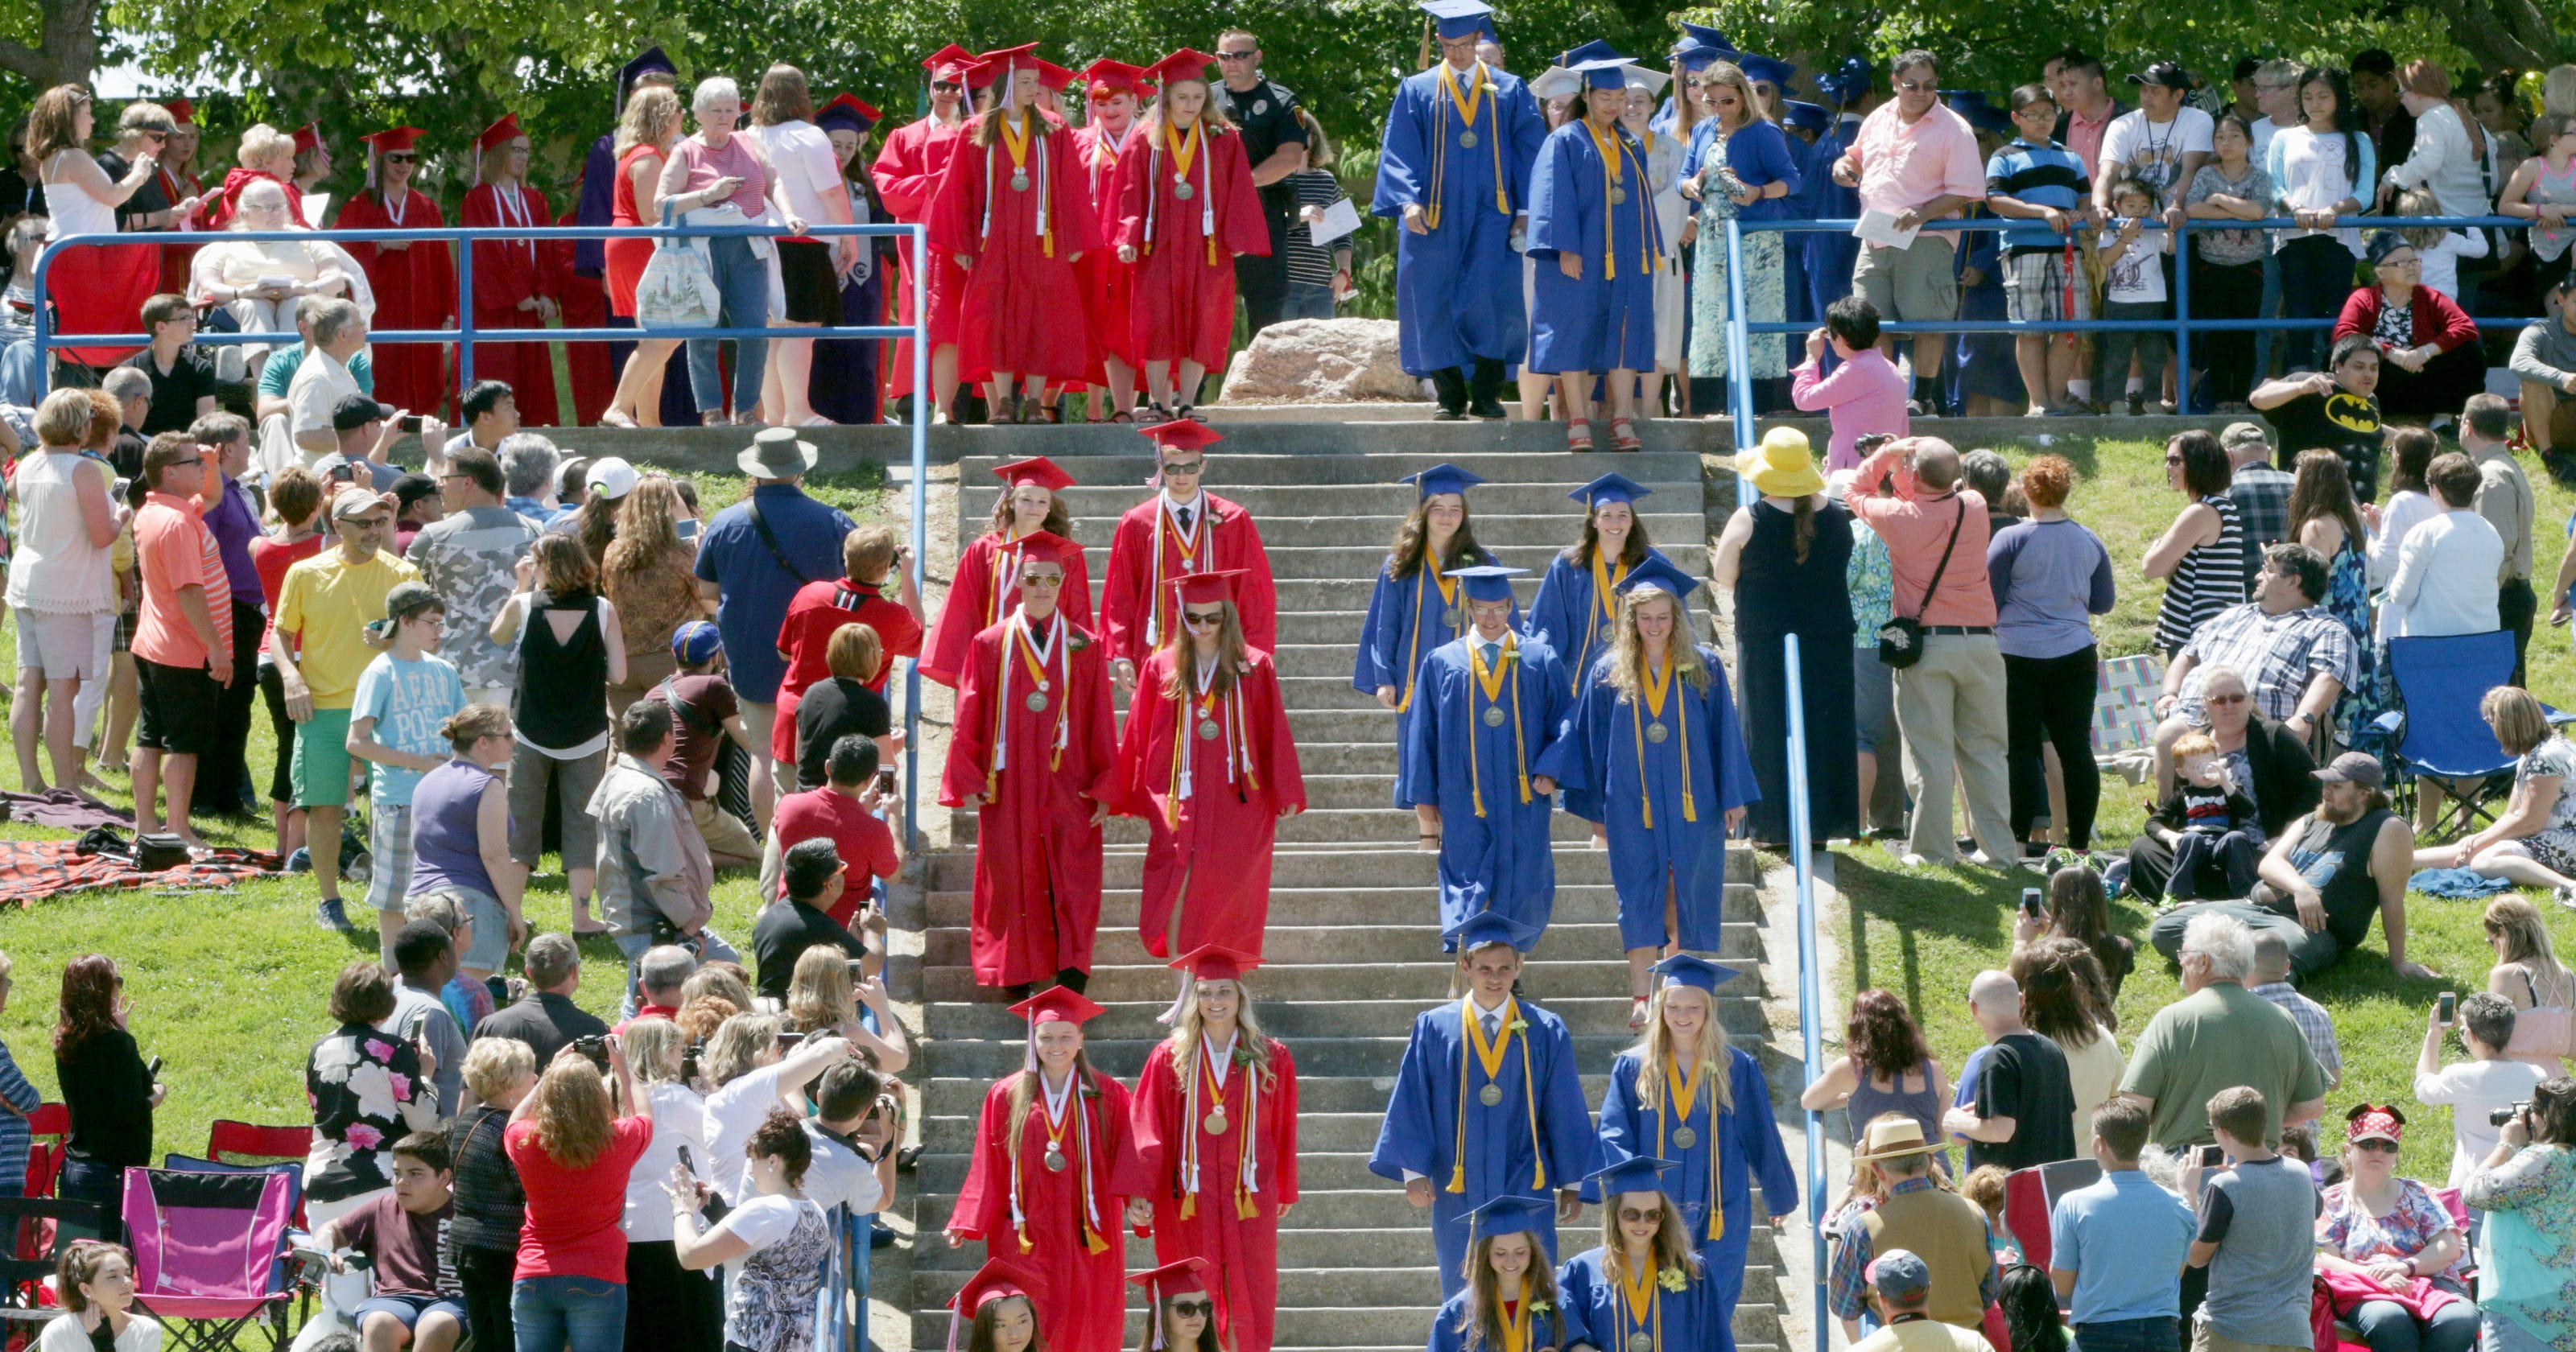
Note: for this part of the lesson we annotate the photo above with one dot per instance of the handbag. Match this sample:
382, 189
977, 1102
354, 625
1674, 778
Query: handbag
1900, 640
678, 289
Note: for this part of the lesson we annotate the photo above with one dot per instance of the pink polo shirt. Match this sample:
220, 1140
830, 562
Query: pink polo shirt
1904, 165
2084, 135
1865, 394
1916, 527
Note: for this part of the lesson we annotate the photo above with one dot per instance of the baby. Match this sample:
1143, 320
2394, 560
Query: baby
2217, 840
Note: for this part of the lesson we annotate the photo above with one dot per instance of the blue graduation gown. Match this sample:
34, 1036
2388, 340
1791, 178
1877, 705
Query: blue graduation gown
1981, 363
1421, 1129
1458, 286
1827, 256
1498, 860
1688, 1320
1751, 1152
1550, 1330
1597, 764
1566, 613
1606, 320
1406, 622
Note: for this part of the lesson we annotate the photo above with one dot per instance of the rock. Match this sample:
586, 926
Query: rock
1321, 361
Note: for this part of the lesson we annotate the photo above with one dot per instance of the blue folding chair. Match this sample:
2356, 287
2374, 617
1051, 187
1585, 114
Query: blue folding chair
2436, 731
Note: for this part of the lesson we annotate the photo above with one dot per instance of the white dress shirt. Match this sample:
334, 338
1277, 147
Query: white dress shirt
2446, 578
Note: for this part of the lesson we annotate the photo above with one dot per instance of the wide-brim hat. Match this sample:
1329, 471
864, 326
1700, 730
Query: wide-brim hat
776, 453
1893, 1140
1783, 466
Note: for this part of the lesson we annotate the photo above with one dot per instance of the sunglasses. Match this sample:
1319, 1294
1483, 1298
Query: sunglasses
945, 86
2225, 699
401, 157
1184, 466
1916, 87
1203, 619
2376, 1147
1193, 1309
1245, 55
1042, 580
1629, 1215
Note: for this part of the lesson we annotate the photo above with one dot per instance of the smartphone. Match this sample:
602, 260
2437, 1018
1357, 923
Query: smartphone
2211, 1157
2449, 1006
687, 527
857, 968
685, 1161
885, 779
412, 423
2030, 902
153, 1070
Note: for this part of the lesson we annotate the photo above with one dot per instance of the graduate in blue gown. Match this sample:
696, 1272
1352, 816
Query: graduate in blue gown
1688, 1095
1485, 708
1644, 1289
1509, 1303
1578, 600
1828, 256
1655, 757
1700, 46
844, 385
1416, 607
1596, 244
1453, 172
1805, 123
1476, 1116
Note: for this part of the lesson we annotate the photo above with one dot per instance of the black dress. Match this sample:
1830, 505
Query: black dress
1775, 595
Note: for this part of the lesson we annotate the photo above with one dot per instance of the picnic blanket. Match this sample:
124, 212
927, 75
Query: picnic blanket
31, 870
2454, 882
67, 809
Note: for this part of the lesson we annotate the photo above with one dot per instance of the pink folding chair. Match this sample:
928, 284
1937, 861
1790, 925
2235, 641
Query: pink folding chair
210, 1256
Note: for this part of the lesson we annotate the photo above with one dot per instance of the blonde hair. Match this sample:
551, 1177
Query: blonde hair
2419, 202
494, 1064
735, 1049
2519, 722
1628, 652
2526, 935
855, 652
1482, 1320
1024, 1090
1655, 1055
718, 981
1251, 1045
1210, 115
646, 517
1984, 1186
818, 995
62, 421
1672, 1243
263, 146
653, 1049
1319, 151
571, 1113
652, 114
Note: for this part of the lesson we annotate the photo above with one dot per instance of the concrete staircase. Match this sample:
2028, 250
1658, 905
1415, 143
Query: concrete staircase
1353, 950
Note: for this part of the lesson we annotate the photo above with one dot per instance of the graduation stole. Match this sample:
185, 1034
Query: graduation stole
1247, 1174
1467, 103
1105, 153
1604, 609
1448, 604
1617, 149
1016, 135
1006, 575
1491, 1056
1050, 670
1198, 705
1507, 668
1517, 1314
1679, 1097
1056, 1127
512, 205
1641, 1300
1202, 532
1184, 150
1653, 686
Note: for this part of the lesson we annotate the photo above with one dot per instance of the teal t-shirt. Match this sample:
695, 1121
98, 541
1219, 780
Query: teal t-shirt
408, 700
282, 361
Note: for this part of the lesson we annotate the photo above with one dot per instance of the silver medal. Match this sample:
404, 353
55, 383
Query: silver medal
1466, 140
1184, 190
1490, 1095
1656, 732
1493, 715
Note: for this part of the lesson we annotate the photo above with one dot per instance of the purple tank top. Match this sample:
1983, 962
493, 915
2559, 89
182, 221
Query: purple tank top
446, 851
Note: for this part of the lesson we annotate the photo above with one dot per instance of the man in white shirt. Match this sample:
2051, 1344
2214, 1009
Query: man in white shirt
2475, 1087
2161, 143
853, 1167
2276, 92
339, 333
2446, 568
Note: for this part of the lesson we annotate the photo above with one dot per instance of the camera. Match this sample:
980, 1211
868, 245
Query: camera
689, 1061
2497, 1117
411, 422
594, 1047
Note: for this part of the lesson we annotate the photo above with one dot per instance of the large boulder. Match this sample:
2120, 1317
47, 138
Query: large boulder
1321, 361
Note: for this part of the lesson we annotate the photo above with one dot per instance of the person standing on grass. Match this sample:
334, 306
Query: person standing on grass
183, 646
2217, 1036
404, 697
18, 1098
2024, 1110
2116, 1248
223, 774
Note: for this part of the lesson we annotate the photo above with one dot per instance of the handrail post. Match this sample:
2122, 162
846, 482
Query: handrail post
920, 241
2182, 319
44, 350
1739, 361
465, 323
1809, 995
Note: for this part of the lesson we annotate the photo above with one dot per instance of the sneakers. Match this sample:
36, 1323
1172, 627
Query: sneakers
2115, 879
301, 861
330, 916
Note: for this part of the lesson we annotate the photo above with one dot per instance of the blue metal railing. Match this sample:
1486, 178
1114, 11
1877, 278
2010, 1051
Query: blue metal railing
1810, 985
466, 334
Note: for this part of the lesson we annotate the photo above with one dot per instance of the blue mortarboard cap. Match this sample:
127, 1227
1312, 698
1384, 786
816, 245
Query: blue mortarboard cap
1695, 56
1610, 488
1489, 927
1681, 969
1658, 571
1509, 1215
1768, 69
1845, 83
1595, 50
1486, 25
1806, 116
647, 62
1706, 36
1979, 111
1443, 478
1603, 72
849, 113
1457, 19
1637, 1173
1487, 581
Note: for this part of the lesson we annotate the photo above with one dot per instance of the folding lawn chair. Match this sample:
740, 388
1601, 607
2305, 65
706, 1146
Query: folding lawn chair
2031, 1194
264, 1146
2436, 730
45, 1157
206, 1253
25, 1302
2124, 702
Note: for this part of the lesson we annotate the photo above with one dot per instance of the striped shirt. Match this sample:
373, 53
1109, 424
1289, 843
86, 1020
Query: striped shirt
2210, 579
2039, 176
22, 1099
2314, 1024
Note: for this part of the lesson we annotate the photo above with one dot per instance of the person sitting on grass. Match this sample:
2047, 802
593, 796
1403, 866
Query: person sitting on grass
2211, 824
2532, 843
400, 1236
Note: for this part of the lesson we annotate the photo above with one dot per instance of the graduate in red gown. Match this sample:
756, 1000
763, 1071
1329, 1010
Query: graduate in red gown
1186, 210
907, 173
997, 1309
1208, 761
1215, 1124
1012, 210
1181, 529
1041, 1188
515, 286
1180, 1314
584, 298
987, 584
1115, 89
1035, 751
414, 282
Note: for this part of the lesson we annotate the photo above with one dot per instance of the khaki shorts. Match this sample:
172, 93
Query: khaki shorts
723, 832
2203, 1340
1912, 285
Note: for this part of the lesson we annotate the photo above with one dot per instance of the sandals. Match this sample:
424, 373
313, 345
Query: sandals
1153, 415
1004, 414
1427, 842
1122, 416
1637, 1012
614, 418
1624, 436
1578, 435
1184, 412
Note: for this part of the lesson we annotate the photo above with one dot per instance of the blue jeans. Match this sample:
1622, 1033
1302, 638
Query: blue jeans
87, 1181
2159, 1334
568, 1314
1307, 300
2387, 1327
743, 281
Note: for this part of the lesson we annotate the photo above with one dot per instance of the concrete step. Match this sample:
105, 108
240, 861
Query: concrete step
1576, 903
1348, 865
1598, 966
1360, 557
1495, 528
1381, 502
1290, 948
1392, 1286
1305, 461
1359, 1054
1386, 824
957, 1097
1299, 1023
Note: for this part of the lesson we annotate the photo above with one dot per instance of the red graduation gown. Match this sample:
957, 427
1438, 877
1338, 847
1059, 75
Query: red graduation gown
907, 173
1106, 282
1135, 582
506, 273
585, 306
1037, 856
1215, 843
1184, 299
1242, 1251
983, 593
415, 289
1021, 289
1082, 1301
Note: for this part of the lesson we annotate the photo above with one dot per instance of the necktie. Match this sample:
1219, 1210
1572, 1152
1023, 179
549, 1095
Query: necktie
1493, 655
1183, 515
1490, 1020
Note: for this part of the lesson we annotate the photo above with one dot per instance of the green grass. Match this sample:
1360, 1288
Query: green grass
228, 988
1923, 934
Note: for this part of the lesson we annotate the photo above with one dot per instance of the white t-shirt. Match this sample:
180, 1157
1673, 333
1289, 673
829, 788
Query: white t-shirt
765, 1218
2263, 128
319, 386
838, 1177
2136, 276
2472, 1088
2152, 151
679, 1118
800, 154
733, 1112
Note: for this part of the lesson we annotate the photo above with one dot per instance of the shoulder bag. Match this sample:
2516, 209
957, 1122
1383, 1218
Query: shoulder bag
1900, 640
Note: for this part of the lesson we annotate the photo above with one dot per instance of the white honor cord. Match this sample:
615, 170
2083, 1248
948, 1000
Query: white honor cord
1207, 186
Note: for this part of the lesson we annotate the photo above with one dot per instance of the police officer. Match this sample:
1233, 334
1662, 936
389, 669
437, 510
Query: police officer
1275, 141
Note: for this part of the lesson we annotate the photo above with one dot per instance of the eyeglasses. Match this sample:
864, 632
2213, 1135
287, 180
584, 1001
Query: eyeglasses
2376, 1147
401, 157
1193, 1309
1629, 1215
1203, 619
2230, 700
1245, 55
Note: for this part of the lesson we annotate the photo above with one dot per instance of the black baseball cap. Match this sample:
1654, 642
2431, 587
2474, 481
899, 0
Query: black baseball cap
2168, 74
357, 411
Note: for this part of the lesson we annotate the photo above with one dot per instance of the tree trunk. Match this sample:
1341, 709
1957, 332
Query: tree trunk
2502, 33
69, 50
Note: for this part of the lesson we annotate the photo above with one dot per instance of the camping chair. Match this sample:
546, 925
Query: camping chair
25, 1302
2031, 1194
291, 1273
2436, 730
263, 1145
45, 1157
206, 1251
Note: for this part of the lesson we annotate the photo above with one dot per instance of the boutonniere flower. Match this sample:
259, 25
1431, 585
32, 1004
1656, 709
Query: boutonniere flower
1541, 1307
1671, 1279
1518, 1026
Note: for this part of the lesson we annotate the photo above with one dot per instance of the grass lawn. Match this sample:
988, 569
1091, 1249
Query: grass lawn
228, 988
1923, 934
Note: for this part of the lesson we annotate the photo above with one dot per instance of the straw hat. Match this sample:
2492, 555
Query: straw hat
1887, 1140
1782, 466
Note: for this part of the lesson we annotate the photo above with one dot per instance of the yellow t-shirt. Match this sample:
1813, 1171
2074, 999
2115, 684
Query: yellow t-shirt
328, 603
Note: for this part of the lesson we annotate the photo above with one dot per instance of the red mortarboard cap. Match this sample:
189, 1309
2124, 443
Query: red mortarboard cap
499, 133
1037, 469
998, 1279
393, 138
1057, 1005
949, 62
850, 111
989, 66
1047, 546
1051, 75
1114, 77
307, 136
1186, 64
1198, 589
181, 109
1171, 1279
1216, 962
1182, 434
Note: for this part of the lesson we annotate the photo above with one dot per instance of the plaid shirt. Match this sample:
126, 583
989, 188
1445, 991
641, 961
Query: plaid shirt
2278, 655
1847, 1284
2314, 1024
2262, 497
22, 1099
